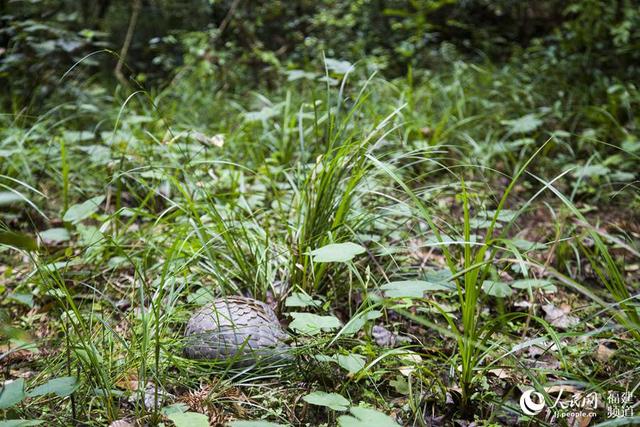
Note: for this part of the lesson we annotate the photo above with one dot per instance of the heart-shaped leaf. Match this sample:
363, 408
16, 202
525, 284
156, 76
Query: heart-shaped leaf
18, 240
254, 424
545, 285
337, 252
61, 387
412, 288
299, 299
53, 236
189, 419
312, 324
12, 393
496, 289
77, 213
330, 400
20, 423
366, 417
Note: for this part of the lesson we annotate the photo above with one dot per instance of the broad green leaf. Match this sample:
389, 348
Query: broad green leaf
18, 240
20, 423
26, 299
438, 276
173, 409
526, 245
359, 321
12, 393
353, 363
61, 387
254, 424
496, 289
201, 296
337, 252
366, 417
293, 75
90, 236
524, 124
330, 400
545, 285
338, 66
412, 288
591, 171
299, 299
55, 235
312, 324
9, 198
505, 215
77, 213
189, 419
622, 176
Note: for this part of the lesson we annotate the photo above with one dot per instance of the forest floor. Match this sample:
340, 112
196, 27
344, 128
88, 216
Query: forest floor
464, 247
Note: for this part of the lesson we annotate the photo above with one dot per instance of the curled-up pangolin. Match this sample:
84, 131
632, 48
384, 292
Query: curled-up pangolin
239, 329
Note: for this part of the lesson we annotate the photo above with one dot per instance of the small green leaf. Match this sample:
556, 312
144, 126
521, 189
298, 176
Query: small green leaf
412, 288
201, 296
189, 419
18, 240
496, 289
299, 299
366, 417
312, 324
12, 393
55, 235
338, 66
353, 363
591, 171
545, 285
9, 198
77, 213
526, 245
20, 423
337, 252
330, 400
26, 299
359, 321
524, 124
254, 424
173, 409
61, 387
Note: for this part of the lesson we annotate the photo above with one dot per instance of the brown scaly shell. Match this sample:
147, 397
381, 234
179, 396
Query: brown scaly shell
235, 328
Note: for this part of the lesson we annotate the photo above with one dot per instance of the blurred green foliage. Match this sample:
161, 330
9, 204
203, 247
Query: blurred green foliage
41, 39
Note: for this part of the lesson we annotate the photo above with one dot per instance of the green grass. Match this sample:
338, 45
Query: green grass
451, 178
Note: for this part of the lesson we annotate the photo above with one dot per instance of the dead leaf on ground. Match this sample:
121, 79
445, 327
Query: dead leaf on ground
559, 316
603, 353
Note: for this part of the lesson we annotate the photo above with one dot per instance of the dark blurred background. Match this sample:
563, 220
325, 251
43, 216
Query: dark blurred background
251, 42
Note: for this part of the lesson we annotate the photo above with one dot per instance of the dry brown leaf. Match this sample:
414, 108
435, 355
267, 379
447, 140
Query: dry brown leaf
500, 373
603, 353
559, 316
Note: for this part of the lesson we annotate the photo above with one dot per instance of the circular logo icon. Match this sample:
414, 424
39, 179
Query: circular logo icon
531, 402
